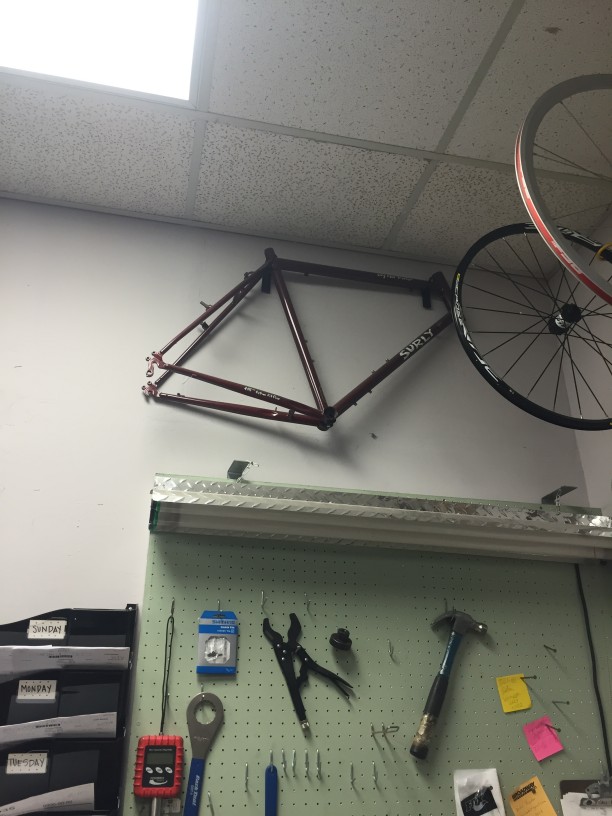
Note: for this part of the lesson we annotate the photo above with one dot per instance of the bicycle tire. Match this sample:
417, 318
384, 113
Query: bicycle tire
467, 336
528, 183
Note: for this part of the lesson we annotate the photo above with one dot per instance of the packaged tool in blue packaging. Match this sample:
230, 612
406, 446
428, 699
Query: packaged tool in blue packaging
217, 642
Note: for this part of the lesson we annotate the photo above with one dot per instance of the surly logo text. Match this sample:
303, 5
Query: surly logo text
409, 350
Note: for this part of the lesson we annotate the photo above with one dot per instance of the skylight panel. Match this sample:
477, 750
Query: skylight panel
145, 46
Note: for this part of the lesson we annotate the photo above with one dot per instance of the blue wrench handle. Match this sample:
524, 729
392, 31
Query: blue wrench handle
194, 787
271, 790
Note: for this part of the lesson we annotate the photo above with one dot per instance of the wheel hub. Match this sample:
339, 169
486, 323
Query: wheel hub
564, 319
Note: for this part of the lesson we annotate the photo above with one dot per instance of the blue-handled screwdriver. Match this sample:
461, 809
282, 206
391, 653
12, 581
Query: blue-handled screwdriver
271, 789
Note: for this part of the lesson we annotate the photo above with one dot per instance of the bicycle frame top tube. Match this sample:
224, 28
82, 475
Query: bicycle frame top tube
323, 415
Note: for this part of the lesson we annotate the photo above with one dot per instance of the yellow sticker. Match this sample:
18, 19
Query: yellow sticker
513, 692
529, 799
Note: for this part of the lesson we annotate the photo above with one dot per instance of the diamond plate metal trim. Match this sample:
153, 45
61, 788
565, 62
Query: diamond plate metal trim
220, 492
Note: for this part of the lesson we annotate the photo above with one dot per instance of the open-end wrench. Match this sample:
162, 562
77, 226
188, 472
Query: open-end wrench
201, 736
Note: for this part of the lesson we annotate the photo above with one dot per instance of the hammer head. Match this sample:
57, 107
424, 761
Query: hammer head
460, 622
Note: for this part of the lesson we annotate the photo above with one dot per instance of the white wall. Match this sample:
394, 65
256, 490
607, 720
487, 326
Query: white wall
596, 448
87, 296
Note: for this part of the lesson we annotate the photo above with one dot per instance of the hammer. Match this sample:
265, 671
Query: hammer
460, 623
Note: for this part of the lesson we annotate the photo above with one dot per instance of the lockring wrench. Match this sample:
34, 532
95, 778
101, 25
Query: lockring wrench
201, 736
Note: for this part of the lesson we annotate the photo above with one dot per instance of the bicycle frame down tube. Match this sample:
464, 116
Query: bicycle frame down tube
391, 365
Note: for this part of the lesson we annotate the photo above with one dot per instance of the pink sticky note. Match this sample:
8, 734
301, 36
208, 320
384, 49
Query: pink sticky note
542, 738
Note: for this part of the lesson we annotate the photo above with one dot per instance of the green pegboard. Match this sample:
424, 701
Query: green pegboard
381, 596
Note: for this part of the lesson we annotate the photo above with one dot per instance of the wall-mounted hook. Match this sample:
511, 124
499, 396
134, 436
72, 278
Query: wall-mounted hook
283, 761
263, 600
352, 775
374, 773
318, 764
246, 777
307, 601
306, 764
293, 763
390, 645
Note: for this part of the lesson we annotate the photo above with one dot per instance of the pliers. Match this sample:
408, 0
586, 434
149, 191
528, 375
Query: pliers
285, 652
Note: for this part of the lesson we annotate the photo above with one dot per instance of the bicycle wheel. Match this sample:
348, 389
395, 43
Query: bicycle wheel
568, 129
539, 337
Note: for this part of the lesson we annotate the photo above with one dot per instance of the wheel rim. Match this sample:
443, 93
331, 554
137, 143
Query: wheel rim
528, 148
533, 332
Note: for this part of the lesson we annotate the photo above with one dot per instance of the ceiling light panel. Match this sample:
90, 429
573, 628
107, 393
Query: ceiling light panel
141, 45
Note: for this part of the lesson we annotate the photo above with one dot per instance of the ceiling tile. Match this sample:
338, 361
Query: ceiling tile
93, 150
461, 203
281, 185
551, 40
384, 71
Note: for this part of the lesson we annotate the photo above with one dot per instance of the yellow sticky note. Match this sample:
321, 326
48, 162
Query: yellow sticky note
529, 799
513, 692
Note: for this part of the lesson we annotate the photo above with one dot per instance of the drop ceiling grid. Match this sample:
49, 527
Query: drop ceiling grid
93, 150
462, 203
311, 190
381, 73
551, 40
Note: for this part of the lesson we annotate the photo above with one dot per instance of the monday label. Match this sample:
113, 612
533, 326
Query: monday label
36, 690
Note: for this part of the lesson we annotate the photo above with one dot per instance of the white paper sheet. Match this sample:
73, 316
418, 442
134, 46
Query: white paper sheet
80, 797
85, 726
20, 660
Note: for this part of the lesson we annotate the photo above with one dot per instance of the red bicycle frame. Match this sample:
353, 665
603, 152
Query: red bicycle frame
323, 415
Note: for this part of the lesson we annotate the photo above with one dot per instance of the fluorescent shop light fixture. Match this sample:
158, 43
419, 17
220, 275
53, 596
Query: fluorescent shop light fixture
206, 506
137, 45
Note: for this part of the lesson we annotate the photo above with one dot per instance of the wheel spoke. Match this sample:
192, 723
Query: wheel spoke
544, 370
522, 262
500, 311
514, 283
595, 348
558, 159
535, 257
588, 135
569, 352
559, 371
560, 217
596, 338
515, 335
522, 354
603, 410
501, 297
495, 331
